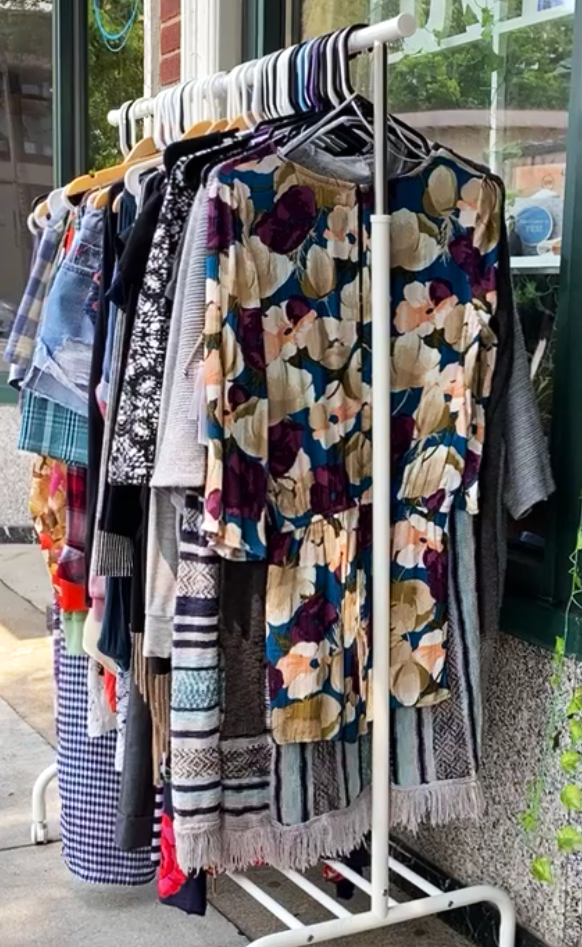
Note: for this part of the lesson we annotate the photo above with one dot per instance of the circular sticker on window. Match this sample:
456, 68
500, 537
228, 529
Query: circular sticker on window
534, 224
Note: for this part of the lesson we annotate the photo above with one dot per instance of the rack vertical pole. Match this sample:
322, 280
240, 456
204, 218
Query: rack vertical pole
380, 266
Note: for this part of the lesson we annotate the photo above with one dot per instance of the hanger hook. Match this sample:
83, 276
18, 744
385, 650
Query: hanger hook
122, 127
247, 73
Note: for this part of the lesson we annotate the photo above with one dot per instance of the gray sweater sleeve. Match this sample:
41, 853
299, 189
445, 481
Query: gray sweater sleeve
180, 459
528, 474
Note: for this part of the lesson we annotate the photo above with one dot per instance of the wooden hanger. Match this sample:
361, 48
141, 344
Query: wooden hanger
143, 149
98, 179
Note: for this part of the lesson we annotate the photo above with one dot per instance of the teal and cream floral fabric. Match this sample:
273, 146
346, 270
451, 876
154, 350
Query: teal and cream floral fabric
288, 380
445, 229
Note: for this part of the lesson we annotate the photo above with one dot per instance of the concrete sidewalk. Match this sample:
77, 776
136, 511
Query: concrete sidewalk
41, 903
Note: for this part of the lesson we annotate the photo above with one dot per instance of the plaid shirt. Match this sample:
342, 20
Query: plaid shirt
52, 430
20, 345
72, 562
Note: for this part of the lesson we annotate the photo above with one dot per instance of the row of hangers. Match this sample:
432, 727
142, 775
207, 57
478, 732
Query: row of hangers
291, 89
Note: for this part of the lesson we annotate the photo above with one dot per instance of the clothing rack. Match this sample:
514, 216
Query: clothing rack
384, 911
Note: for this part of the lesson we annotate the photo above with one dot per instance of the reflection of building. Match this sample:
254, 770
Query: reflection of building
531, 143
25, 131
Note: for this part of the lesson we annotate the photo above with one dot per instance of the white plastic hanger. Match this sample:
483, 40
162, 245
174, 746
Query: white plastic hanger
245, 87
284, 79
31, 224
122, 123
133, 174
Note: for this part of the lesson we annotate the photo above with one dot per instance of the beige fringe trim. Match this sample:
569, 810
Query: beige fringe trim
451, 800
155, 690
226, 846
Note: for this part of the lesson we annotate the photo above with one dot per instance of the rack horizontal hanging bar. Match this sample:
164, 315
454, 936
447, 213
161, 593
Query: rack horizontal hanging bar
399, 27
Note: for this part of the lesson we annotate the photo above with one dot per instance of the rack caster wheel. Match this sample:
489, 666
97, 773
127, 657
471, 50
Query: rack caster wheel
39, 833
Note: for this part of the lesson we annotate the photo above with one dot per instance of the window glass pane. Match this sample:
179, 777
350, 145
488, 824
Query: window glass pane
115, 75
492, 81
26, 143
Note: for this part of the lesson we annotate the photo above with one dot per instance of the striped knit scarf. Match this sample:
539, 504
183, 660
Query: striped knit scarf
435, 751
238, 798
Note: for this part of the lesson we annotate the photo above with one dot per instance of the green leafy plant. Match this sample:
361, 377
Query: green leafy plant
563, 736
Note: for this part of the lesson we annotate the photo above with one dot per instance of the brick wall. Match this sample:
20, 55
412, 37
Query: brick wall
169, 42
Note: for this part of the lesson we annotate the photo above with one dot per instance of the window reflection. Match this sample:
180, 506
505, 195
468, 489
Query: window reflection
26, 146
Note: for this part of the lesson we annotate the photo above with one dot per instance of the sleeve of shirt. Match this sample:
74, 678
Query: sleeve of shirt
236, 382
528, 473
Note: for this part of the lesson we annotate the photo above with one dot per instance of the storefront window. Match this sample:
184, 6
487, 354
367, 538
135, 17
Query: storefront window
116, 73
492, 81
26, 138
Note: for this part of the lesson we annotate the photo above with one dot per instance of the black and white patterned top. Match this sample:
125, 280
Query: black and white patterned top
134, 441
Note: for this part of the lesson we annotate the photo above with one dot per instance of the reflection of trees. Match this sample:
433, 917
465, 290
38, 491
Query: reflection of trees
25, 38
536, 298
25, 54
113, 78
534, 71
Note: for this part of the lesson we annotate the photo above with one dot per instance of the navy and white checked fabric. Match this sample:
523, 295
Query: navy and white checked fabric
20, 345
89, 789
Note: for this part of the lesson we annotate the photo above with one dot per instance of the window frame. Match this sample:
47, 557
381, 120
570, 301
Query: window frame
537, 589
70, 89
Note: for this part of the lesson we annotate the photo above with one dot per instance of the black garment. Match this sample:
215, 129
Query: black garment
191, 896
115, 638
96, 424
489, 555
121, 512
135, 814
135, 809
191, 146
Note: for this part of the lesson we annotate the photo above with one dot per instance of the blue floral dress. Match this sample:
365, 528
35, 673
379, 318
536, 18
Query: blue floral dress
288, 382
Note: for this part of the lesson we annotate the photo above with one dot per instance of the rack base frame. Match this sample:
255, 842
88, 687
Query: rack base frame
344, 923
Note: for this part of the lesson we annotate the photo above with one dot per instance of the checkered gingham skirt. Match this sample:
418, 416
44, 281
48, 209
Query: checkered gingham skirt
89, 787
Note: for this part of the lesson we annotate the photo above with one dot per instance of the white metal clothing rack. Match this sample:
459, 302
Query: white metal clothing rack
383, 911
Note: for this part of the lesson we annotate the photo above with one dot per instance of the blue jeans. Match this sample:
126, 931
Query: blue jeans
62, 357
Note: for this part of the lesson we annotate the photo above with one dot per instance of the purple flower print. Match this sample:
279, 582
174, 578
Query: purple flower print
436, 500
401, 433
483, 278
329, 493
365, 526
214, 504
244, 486
220, 229
472, 465
279, 547
439, 290
313, 619
284, 443
237, 396
297, 309
466, 255
275, 679
285, 227
249, 332
435, 564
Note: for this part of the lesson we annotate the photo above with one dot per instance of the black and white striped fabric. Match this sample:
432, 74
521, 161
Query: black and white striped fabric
89, 788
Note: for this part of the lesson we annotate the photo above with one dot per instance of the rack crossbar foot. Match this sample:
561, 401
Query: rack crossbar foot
39, 825
299, 935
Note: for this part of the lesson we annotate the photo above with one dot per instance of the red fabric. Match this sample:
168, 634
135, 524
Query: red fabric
109, 686
71, 597
170, 877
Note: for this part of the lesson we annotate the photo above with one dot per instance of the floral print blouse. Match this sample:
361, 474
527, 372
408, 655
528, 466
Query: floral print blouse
288, 382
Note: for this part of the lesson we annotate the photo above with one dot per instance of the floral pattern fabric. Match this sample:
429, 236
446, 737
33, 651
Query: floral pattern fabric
134, 439
288, 375
445, 231
288, 378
